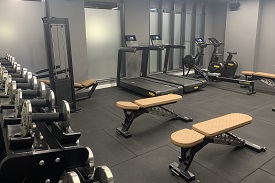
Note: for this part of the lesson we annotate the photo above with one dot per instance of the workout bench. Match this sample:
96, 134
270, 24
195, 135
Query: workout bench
153, 105
79, 87
267, 78
211, 131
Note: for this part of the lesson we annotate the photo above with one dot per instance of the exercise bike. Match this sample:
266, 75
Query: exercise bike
228, 67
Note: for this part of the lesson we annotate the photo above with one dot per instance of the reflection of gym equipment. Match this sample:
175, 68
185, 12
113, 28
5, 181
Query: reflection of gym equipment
188, 84
153, 105
45, 144
142, 85
189, 63
212, 131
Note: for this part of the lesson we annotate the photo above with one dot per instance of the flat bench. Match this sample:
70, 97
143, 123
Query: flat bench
79, 87
153, 105
211, 131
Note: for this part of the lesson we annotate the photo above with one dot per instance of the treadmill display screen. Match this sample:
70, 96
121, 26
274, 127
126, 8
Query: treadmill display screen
155, 37
199, 40
130, 38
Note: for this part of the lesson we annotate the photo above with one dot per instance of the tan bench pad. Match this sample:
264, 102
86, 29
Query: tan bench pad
47, 82
264, 75
249, 73
88, 83
157, 101
127, 105
222, 124
186, 138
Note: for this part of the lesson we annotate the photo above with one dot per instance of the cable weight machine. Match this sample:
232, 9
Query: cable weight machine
59, 57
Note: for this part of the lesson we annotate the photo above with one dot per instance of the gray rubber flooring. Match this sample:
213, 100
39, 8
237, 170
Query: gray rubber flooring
146, 155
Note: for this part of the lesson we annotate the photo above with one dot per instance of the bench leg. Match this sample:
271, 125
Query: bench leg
186, 175
129, 118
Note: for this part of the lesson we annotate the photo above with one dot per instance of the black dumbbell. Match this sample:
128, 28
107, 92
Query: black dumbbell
45, 100
28, 118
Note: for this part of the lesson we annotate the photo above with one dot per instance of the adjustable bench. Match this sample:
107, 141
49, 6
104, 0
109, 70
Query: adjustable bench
266, 78
153, 105
79, 87
211, 131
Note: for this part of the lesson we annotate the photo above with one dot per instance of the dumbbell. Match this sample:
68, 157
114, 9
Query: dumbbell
8, 62
13, 68
28, 118
7, 59
12, 86
4, 74
47, 101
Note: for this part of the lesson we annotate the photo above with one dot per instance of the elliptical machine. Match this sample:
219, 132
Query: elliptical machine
227, 68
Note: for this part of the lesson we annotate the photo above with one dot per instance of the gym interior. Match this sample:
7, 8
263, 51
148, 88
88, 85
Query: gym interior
129, 91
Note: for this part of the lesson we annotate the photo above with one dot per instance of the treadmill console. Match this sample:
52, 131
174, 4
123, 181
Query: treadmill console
199, 41
156, 40
130, 40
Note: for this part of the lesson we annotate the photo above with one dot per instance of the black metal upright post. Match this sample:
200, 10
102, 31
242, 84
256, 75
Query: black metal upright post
193, 28
122, 29
182, 34
172, 33
160, 32
202, 26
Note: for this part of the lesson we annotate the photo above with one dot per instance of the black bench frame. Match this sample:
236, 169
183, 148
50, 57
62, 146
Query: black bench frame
188, 154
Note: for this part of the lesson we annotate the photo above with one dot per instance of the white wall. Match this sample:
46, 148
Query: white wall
21, 33
74, 11
266, 61
241, 33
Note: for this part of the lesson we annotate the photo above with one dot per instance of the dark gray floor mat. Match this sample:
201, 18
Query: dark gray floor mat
259, 176
152, 167
269, 166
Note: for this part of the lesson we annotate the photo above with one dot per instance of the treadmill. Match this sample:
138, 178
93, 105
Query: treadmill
142, 85
188, 84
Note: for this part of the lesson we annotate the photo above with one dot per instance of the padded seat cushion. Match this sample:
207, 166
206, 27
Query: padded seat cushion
222, 124
47, 82
186, 138
265, 75
88, 83
127, 105
157, 101
249, 73
78, 85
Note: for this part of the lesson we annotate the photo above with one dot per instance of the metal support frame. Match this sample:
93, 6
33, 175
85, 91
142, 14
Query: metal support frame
131, 115
122, 41
160, 32
188, 154
202, 28
172, 33
193, 28
48, 22
183, 26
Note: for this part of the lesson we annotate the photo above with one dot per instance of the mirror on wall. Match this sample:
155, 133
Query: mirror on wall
102, 44
177, 22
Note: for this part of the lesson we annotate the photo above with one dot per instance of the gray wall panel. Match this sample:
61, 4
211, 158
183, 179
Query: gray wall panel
74, 10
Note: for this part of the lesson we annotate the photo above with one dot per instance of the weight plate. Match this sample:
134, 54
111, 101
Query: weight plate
18, 102
65, 109
7, 84
28, 77
23, 72
90, 163
70, 177
34, 83
12, 91
103, 174
26, 118
42, 90
18, 68
51, 98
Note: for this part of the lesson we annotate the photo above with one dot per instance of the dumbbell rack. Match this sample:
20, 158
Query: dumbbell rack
40, 146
